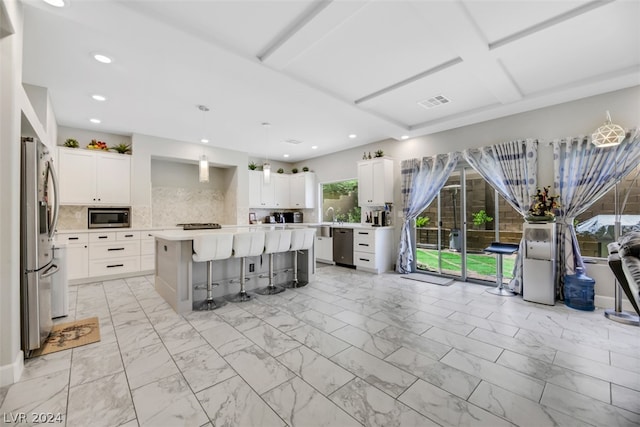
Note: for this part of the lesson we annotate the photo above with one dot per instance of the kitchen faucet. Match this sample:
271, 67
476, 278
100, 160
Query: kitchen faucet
333, 213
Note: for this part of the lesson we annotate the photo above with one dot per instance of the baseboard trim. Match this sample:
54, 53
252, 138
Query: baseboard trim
11, 373
609, 302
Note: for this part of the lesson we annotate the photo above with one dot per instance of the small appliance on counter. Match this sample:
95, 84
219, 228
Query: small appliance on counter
286, 217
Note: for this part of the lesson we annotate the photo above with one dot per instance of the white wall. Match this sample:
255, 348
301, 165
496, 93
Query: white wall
147, 147
576, 118
11, 363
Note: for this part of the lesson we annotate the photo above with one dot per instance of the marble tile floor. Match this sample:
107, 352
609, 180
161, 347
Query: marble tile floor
349, 349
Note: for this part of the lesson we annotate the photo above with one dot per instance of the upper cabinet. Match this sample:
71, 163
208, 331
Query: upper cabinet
93, 177
302, 190
284, 191
375, 182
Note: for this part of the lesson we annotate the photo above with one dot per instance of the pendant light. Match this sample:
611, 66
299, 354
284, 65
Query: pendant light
608, 134
266, 166
203, 164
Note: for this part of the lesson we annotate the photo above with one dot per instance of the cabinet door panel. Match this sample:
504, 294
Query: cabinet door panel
255, 189
280, 191
76, 171
365, 186
77, 261
113, 184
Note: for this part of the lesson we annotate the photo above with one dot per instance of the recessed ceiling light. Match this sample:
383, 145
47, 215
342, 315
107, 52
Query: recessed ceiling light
99, 97
404, 137
353, 135
102, 58
96, 121
285, 155
314, 147
204, 140
55, 3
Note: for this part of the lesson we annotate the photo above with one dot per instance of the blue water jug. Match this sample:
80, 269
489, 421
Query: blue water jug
579, 291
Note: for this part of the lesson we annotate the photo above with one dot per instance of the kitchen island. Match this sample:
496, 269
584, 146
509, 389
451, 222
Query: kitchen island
181, 281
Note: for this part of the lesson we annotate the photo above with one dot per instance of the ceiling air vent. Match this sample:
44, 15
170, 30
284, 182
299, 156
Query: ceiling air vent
434, 101
292, 141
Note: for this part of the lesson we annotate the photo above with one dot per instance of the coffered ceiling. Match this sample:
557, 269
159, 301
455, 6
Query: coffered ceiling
319, 70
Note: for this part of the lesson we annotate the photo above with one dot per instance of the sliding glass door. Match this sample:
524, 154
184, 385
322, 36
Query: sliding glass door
465, 218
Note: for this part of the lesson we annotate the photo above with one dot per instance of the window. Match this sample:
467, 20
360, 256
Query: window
594, 227
340, 199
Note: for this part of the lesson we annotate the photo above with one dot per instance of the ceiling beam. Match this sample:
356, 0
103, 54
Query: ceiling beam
461, 34
318, 23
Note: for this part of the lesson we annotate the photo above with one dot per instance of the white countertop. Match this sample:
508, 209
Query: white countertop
179, 234
346, 225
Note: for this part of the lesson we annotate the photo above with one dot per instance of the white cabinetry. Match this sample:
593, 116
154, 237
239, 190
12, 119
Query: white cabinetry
77, 254
114, 253
92, 255
324, 249
372, 249
280, 186
284, 191
260, 193
375, 182
302, 190
147, 252
93, 178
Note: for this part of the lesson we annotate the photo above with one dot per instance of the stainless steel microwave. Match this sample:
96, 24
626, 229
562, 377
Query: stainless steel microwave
109, 217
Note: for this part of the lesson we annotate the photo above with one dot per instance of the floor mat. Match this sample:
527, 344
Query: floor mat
427, 278
69, 335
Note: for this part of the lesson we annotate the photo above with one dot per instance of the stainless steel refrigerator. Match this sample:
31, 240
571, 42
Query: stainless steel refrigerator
38, 219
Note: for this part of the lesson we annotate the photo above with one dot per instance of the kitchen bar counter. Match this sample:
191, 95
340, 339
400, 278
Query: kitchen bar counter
177, 274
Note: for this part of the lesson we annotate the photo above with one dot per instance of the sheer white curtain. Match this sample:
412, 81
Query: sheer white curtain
420, 183
510, 168
582, 174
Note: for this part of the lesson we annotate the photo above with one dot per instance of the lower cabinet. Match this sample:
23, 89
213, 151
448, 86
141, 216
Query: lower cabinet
324, 249
77, 254
92, 255
372, 249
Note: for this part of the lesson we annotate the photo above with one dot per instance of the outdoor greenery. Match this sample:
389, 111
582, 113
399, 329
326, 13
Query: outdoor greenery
481, 218
331, 193
421, 221
478, 265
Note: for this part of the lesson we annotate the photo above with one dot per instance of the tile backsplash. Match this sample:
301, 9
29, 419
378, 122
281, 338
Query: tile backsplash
72, 218
175, 205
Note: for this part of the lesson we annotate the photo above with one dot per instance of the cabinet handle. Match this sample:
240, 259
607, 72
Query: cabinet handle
115, 265
363, 244
74, 238
128, 235
103, 237
363, 232
115, 249
364, 259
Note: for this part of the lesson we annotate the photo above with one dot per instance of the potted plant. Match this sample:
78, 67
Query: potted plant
280, 170
480, 218
252, 166
305, 169
379, 153
294, 170
71, 143
122, 148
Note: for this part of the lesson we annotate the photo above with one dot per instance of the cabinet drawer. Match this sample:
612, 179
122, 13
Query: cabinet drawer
114, 266
364, 259
72, 238
147, 262
364, 241
114, 250
127, 235
107, 236
147, 247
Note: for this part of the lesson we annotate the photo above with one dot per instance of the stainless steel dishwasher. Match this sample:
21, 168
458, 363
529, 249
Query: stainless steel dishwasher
343, 246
